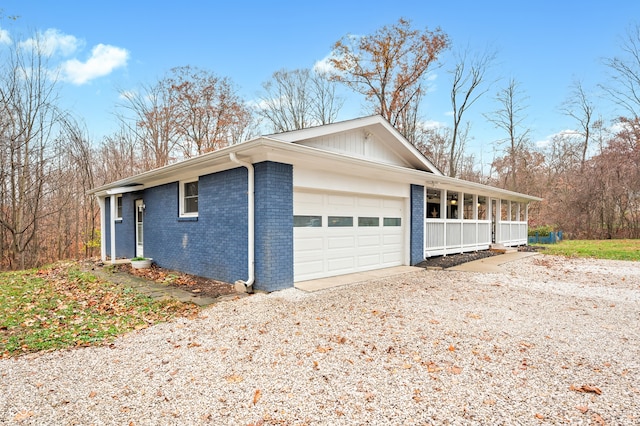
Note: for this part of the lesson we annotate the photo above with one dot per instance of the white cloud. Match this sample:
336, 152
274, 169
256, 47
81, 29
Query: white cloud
104, 59
324, 66
5, 38
433, 124
53, 41
561, 134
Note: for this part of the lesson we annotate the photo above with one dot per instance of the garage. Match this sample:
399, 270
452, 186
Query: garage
342, 233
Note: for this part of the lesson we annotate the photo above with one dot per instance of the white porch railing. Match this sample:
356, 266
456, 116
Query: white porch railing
456, 236
512, 233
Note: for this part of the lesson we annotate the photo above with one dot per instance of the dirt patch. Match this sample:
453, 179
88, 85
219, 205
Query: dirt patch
452, 260
193, 283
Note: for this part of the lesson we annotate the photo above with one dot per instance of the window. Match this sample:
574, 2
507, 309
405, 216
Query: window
307, 221
392, 221
469, 208
189, 198
504, 210
368, 221
482, 208
335, 221
452, 205
433, 203
119, 207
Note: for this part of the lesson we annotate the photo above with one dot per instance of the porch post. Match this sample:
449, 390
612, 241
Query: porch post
103, 227
112, 226
443, 209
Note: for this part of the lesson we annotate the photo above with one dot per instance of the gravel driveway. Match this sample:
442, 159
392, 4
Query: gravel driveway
550, 341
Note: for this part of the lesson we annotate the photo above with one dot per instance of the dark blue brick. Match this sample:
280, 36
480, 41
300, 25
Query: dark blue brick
417, 224
214, 244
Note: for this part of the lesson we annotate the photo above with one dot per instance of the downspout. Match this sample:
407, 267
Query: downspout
245, 286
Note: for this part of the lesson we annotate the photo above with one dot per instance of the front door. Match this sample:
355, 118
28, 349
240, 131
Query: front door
139, 228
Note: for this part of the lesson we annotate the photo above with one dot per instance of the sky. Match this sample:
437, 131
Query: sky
104, 48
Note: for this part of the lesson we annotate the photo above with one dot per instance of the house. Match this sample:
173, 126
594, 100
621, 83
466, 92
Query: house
279, 209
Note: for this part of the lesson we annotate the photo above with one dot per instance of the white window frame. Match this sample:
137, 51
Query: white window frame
182, 183
119, 199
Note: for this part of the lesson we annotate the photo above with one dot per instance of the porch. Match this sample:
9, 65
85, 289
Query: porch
458, 222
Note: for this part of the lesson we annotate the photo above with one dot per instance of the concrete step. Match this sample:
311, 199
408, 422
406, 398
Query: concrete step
501, 248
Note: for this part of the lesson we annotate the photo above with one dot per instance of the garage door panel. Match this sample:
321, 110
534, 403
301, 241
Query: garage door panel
341, 200
368, 241
366, 244
392, 239
340, 242
341, 264
391, 258
312, 266
369, 260
374, 203
309, 243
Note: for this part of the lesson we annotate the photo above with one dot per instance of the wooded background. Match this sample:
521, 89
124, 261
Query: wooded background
589, 178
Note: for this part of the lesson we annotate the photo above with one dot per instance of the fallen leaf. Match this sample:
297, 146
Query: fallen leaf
23, 415
452, 348
454, 369
323, 350
586, 388
539, 416
234, 378
406, 366
92, 394
597, 418
433, 367
256, 396
582, 408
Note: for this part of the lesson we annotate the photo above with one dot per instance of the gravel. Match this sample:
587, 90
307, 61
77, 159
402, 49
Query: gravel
549, 341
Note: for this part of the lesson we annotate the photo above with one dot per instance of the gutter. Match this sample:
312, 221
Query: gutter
246, 286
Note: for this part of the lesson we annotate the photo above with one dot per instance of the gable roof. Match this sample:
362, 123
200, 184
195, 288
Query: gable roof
299, 149
373, 137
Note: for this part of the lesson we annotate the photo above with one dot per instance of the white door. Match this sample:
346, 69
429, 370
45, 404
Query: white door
139, 228
337, 234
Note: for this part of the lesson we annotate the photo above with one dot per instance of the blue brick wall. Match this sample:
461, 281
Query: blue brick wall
417, 224
215, 244
274, 226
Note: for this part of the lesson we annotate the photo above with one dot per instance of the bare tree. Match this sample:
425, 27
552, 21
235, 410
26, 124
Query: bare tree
624, 87
298, 99
469, 84
581, 109
186, 113
30, 120
389, 67
209, 111
510, 117
152, 118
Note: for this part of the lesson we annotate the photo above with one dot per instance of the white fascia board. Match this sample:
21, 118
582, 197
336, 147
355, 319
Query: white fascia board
124, 189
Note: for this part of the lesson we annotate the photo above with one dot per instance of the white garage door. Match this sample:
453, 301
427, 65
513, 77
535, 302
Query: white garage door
337, 234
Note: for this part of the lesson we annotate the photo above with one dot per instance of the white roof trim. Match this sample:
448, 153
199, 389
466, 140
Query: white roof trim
124, 189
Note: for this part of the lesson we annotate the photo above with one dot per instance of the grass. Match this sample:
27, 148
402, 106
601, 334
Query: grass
599, 249
62, 307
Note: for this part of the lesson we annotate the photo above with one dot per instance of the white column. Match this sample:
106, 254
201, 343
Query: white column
103, 227
112, 227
